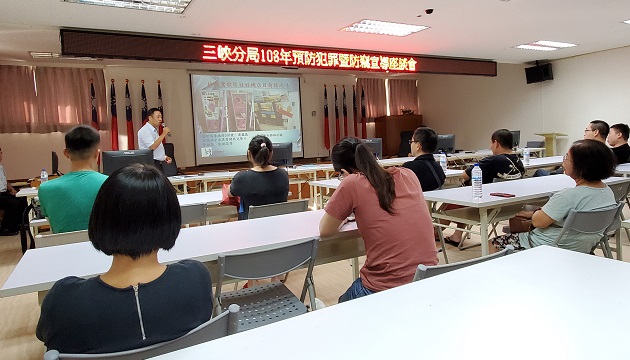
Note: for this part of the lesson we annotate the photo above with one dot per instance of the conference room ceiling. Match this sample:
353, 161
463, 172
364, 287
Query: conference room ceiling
480, 29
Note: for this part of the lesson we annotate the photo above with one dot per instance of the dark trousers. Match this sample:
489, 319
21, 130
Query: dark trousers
13, 208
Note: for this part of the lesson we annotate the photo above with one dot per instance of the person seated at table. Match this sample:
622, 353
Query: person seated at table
391, 215
264, 183
587, 162
502, 165
67, 201
428, 171
138, 301
618, 139
595, 130
13, 206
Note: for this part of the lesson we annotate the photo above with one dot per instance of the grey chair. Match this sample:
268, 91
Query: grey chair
425, 272
596, 222
267, 303
42, 241
222, 325
194, 214
282, 208
621, 191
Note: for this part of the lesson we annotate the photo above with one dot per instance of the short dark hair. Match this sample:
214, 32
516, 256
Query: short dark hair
151, 111
81, 141
503, 137
623, 129
136, 212
592, 160
427, 138
261, 155
600, 126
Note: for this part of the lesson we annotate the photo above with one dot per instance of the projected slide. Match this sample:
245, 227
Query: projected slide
231, 109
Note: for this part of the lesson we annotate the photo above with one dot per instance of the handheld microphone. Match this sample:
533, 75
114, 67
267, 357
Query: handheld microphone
164, 125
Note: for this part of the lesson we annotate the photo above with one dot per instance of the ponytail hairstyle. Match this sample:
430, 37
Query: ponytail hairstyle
260, 149
352, 155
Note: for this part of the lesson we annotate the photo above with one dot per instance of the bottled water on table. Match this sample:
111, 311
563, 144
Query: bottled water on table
477, 182
443, 161
44, 176
526, 156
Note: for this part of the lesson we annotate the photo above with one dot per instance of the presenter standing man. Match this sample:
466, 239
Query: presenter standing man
149, 138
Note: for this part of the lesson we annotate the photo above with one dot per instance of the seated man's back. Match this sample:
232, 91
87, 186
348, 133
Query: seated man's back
67, 201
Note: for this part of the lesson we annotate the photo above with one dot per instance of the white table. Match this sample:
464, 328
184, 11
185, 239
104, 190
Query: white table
537, 163
209, 198
28, 193
38, 269
334, 183
489, 206
623, 169
543, 303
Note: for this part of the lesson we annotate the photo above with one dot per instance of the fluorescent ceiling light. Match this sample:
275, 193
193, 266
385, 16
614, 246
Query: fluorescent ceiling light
536, 47
555, 44
627, 22
53, 55
384, 28
167, 6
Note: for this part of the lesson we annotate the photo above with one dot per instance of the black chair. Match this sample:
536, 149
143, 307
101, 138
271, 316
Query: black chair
405, 148
170, 169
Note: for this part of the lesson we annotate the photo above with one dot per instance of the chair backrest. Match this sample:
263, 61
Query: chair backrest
194, 214
262, 264
536, 144
590, 221
425, 272
620, 190
42, 241
282, 208
222, 325
170, 169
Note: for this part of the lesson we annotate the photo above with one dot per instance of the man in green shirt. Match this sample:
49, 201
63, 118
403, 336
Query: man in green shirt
67, 201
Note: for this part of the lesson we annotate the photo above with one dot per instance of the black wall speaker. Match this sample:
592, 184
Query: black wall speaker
538, 73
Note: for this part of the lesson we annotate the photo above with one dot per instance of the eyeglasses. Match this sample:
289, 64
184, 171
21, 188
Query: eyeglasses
564, 158
340, 177
587, 130
411, 142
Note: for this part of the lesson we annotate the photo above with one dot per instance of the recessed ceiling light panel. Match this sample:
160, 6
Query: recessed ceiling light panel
384, 28
555, 44
626, 22
536, 47
167, 6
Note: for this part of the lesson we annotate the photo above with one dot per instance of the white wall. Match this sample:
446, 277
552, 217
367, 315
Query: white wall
585, 88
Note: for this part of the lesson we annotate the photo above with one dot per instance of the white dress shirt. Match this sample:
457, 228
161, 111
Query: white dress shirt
146, 137
3, 180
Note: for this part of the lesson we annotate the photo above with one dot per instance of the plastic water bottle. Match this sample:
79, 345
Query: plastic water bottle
477, 182
526, 156
44, 176
443, 161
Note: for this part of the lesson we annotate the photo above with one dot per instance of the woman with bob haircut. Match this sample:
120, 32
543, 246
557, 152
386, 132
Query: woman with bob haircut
264, 183
391, 214
138, 301
587, 162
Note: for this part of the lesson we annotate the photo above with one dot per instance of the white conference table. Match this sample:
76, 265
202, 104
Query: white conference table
334, 183
38, 269
623, 169
209, 198
537, 163
543, 303
27, 192
489, 206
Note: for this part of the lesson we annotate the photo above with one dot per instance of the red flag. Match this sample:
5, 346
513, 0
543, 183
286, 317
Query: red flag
130, 132
326, 126
94, 112
114, 116
337, 130
145, 118
345, 112
161, 109
354, 112
363, 120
